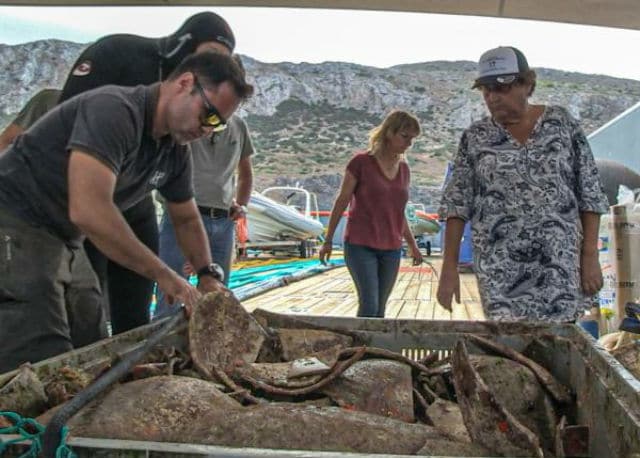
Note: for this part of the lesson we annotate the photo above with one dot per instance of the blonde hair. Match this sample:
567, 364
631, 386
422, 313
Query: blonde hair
395, 121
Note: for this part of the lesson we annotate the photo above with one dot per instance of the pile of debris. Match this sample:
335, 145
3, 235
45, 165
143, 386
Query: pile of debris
246, 384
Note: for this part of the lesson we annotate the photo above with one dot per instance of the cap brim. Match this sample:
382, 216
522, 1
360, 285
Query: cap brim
495, 79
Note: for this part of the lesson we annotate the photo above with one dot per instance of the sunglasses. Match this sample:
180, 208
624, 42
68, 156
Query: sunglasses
502, 86
212, 117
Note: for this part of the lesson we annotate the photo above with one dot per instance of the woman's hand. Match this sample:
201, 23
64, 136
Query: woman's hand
448, 286
591, 274
325, 251
417, 256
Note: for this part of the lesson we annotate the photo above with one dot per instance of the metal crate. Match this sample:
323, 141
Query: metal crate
608, 396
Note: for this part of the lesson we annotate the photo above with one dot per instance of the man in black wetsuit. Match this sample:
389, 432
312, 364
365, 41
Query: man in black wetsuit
129, 60
72, 174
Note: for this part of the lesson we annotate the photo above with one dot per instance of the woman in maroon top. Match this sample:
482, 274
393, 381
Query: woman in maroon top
376, 188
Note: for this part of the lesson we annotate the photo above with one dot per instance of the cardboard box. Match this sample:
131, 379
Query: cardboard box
626, 240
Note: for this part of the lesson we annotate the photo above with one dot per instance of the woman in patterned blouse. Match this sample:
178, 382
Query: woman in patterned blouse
526, 179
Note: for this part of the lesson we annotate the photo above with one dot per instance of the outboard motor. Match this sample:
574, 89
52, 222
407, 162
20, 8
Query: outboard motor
612, 175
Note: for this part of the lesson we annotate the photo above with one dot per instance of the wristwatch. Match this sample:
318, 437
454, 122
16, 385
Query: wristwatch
213, 270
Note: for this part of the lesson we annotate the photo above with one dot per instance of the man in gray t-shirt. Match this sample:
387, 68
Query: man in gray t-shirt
83, 296
215, 161
71, 175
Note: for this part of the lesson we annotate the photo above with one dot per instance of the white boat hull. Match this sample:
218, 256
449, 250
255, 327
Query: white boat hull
269, 220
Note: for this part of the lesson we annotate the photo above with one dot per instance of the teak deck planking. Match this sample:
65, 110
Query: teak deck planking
332, 293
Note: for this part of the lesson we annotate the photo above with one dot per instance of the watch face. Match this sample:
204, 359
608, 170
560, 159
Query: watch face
214, 270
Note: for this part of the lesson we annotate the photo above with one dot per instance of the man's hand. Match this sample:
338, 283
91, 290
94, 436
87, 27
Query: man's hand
187, 269
237, 211
448, 287
178, 290
591, 274
208, 284
325, 252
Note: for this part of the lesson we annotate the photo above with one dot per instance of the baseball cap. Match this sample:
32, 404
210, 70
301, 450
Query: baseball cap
207, 26
501, 65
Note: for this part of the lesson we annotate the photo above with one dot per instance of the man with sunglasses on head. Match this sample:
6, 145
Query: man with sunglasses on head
129, 60
216, 159
526, 179
73, 173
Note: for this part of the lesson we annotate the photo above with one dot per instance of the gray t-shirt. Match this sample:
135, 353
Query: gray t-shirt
215, 160
36, 107
113, 124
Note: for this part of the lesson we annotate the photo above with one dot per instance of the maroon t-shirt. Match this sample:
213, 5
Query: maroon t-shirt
376, 210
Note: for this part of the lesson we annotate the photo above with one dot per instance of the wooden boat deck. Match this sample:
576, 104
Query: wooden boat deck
332, 293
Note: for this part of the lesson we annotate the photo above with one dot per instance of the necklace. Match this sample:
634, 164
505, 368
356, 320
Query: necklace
388, 166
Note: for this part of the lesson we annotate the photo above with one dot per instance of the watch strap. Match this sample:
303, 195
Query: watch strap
213, 270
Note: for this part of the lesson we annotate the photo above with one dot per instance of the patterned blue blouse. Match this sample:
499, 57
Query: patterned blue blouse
524, 202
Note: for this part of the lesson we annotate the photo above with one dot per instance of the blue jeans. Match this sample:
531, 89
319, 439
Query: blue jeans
221, 233
374, 272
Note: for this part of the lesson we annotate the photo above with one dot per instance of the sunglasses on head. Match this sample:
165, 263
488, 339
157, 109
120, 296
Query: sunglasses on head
212, 117
502, 85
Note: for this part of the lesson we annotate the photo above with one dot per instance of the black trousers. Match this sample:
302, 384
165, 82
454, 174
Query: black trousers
50, 301
126, 293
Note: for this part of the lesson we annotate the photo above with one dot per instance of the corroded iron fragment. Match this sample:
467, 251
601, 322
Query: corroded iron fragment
141, 371
184, 410
300, 343
447, 419
24, 393
304, 427
163, 409
572, 440
223, 333
559, 392
376, 386
520, 392
487, 421
65, 383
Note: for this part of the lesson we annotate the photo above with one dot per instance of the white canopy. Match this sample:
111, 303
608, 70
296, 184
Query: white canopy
610, 13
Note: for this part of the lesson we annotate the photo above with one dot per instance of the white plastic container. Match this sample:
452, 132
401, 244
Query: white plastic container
606, 255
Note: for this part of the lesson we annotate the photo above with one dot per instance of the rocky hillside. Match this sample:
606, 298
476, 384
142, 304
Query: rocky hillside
307, 119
